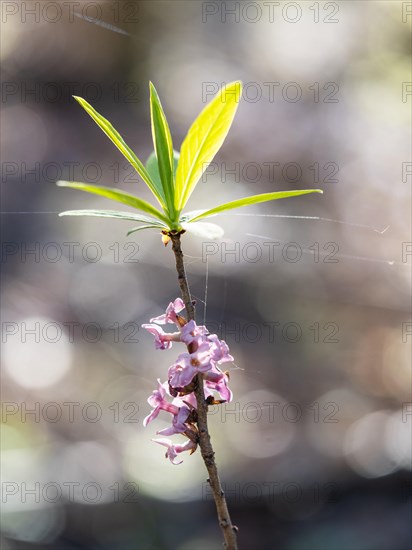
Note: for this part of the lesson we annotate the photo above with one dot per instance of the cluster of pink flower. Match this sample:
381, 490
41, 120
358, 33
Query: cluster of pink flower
205, 352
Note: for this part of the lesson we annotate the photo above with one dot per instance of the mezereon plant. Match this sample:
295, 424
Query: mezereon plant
195, 380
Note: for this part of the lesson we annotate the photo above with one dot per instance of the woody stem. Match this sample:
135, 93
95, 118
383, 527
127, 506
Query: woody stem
208, 455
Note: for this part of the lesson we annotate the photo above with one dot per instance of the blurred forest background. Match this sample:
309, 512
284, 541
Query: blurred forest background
315, 450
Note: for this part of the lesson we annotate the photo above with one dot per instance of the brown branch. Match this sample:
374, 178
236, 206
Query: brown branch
208, 455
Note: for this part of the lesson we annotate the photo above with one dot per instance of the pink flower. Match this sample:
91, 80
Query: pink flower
163, 340
174, 450
193, 334
178, 424
158, 401
219, 349
218, 384
188, 365
205, 352
171, 313
181, 376
190, 400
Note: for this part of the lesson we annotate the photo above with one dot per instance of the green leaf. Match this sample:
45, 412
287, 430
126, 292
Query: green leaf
204, 139
148, 226
187, 216
153, 168
254, 199
119, 196
162, 141
117, 139
129, 216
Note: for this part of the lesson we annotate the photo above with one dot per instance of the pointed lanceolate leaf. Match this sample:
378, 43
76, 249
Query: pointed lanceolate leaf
128, 216
117, 139
119, 196
254, 199
187, 216
176, 157
204, 140
153, 168
162, 141
141, 227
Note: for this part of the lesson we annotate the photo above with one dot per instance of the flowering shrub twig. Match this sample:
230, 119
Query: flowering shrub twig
195, 380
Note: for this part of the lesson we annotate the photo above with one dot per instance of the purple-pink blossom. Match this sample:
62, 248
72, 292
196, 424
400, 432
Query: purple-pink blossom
188, 365
193, 334
178, 423
158, 402
163, 340
219, 349
218, 385
174, 450
204, 354
171, 314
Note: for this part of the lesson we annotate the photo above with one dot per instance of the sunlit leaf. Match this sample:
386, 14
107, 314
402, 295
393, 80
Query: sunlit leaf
141, 227
153, 168
119, 196
204, 139
162, 141
117, 139
254, 199
128, 216
186, 216
172, 176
